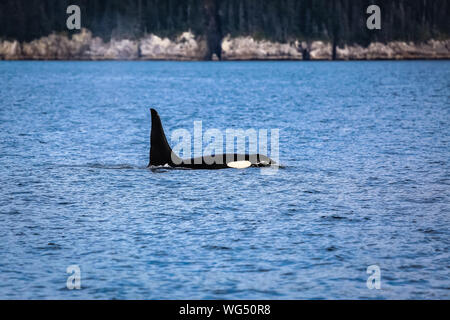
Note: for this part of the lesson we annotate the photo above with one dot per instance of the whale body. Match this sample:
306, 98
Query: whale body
162, 155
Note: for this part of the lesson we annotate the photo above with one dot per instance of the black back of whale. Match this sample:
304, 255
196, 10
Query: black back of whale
161, 154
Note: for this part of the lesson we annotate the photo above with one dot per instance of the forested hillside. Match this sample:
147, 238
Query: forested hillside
339, 22
279, 20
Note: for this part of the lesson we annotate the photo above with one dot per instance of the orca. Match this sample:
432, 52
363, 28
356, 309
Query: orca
162, 155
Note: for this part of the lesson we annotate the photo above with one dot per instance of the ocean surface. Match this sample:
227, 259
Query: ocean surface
366, 181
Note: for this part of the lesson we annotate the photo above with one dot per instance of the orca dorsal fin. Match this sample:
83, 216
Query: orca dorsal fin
160, 151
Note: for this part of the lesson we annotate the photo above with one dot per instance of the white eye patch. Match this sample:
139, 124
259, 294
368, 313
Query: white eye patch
239, 164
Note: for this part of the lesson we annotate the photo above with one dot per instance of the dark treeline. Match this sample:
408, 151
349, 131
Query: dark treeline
340, 21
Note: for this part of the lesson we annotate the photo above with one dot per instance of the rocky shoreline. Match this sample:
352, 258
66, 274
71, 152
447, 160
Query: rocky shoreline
188, 47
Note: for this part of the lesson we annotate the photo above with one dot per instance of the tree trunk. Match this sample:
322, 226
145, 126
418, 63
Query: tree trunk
213, 32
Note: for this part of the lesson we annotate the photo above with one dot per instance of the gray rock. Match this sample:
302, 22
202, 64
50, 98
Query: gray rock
83, 46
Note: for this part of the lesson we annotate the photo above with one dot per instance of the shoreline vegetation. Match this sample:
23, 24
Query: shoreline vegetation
189, 47
197, 30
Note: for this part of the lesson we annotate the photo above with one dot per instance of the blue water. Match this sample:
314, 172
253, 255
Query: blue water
365, 145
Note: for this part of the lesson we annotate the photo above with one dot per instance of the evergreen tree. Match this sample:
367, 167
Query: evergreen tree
337, 21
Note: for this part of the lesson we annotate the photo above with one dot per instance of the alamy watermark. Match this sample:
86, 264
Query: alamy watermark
74, 280
374, 280
373, 22
263, 146
73, 22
